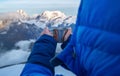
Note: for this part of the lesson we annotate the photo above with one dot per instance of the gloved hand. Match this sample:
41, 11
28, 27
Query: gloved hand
66, 38
43, 50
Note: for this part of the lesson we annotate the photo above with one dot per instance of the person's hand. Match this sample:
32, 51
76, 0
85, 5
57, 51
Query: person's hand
47, 32
67, 33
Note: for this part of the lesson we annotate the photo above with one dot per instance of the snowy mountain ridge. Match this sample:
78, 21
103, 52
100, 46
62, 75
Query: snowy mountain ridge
23, 27
47, 18
51, 18
19, 14
52, 15
22, 13
9, 17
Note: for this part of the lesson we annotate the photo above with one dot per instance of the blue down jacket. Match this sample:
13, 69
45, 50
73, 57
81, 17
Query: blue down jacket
94, 49
95, 46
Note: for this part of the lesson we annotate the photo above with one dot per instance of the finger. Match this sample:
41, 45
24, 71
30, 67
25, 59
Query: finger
47, 29
44, 31
70, 30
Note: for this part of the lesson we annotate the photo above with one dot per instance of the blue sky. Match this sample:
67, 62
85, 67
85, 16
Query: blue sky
40, 1
27, 5
19, 3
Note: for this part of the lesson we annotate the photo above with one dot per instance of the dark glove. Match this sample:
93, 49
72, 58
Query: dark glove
42, 52
55, 61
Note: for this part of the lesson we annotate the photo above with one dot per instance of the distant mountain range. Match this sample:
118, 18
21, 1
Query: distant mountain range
19, 26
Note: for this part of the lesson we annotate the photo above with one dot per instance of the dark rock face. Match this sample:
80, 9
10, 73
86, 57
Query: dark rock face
18, 32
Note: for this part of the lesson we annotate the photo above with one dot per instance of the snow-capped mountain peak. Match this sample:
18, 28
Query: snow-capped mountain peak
51, 19
22, 13
53, 15
69, 20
